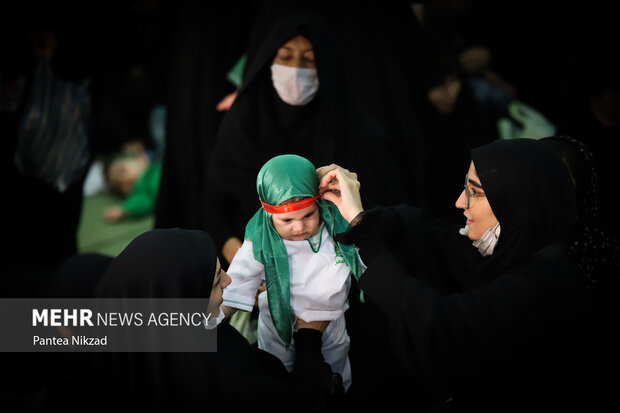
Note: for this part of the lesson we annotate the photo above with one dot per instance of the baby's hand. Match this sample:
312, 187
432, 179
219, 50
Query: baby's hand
114, 214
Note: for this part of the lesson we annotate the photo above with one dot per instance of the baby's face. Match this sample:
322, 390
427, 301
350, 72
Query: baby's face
298, 225
124, 173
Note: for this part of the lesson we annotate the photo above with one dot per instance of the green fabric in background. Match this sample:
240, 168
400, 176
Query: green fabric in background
235, 75
97, 235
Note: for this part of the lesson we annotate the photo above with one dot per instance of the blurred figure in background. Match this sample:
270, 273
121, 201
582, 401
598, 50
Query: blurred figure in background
134, 177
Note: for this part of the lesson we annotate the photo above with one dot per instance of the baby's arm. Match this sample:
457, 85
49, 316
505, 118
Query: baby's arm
246, 275
114, 214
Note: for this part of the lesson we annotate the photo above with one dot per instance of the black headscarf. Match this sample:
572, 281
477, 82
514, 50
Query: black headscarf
595, 253
178, 263
530, 193
162, 263
77, 276
260, 126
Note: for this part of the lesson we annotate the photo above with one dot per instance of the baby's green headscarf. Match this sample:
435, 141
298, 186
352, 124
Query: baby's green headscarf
280, 179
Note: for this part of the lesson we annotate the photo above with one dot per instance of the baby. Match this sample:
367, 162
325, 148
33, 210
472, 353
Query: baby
289, 247
133, 177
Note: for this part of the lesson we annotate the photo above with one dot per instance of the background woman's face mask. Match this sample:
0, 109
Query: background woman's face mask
295, 86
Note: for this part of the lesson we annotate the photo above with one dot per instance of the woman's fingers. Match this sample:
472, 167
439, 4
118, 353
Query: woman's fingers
332, 175
328, 177
332, 196
325, 169
341, 187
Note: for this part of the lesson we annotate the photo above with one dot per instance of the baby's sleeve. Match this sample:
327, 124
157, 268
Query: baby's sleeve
246, 275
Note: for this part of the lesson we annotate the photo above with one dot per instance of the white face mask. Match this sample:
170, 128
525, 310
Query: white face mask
486, 243
295, 85
214, 321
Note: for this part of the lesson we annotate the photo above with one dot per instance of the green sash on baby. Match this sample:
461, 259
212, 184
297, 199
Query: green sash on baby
279, 180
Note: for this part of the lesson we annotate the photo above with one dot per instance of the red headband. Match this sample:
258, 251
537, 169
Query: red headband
294, 206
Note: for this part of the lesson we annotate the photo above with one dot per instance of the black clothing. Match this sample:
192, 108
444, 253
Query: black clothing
69, 375
604, 142
448, 137
596, 256
206, 40
316, 383
176, 263
77, 276
595, 253
382, 60
492, 333
49, 381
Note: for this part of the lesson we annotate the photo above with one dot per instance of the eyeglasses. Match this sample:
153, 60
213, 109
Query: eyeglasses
469, 194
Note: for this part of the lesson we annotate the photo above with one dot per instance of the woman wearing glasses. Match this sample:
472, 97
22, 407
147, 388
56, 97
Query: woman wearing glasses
493, 326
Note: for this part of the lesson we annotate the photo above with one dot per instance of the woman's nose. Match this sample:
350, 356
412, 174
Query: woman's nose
297, 61
461, 202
